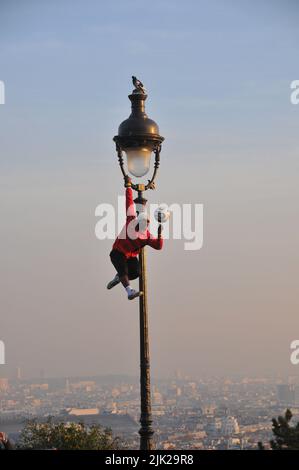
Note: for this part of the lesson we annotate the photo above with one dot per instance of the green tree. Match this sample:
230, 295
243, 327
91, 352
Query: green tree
67, 436
286, 436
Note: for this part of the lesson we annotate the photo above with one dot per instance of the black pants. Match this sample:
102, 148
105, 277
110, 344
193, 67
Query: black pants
125, 266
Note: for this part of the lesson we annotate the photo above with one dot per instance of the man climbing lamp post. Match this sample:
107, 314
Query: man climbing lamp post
138, 136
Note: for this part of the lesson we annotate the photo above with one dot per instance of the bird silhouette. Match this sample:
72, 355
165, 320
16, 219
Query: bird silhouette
138, 84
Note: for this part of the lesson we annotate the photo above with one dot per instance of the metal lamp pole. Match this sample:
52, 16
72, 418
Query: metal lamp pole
138, 131
146, 432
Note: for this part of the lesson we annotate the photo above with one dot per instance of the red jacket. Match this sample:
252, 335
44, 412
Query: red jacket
131, 246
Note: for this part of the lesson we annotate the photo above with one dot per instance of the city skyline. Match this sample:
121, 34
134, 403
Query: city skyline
218, 78
188, 414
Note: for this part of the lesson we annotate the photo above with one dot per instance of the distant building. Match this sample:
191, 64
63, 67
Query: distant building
4, 385
209, 410
229, 426
157, 397
286, 394
214, 426
87, 385
234, 443
44, 386
82, 411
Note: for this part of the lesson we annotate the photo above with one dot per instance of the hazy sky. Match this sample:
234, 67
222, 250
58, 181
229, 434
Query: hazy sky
218, 75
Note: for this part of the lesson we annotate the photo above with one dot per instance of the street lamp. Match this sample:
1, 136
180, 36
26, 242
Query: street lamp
138, 136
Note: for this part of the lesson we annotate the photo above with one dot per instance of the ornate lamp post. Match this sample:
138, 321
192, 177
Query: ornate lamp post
138, 136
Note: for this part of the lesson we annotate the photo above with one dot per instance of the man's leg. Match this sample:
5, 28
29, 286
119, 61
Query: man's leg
125, 280
116, 279
133, 267
133, 273
113, 282
120, 263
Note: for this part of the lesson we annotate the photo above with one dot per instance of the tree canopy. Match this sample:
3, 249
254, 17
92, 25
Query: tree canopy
67, 436
286, 436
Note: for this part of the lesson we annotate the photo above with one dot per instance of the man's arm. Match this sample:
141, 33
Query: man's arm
130, 206
156, 243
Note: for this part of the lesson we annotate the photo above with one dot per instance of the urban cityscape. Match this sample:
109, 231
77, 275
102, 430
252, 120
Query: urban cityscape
206, 414
149, 262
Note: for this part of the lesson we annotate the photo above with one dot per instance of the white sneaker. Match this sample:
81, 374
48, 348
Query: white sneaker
114, 282
134, 293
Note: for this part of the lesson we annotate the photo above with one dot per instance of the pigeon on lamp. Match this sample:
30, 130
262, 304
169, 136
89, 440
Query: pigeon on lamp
138, 85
